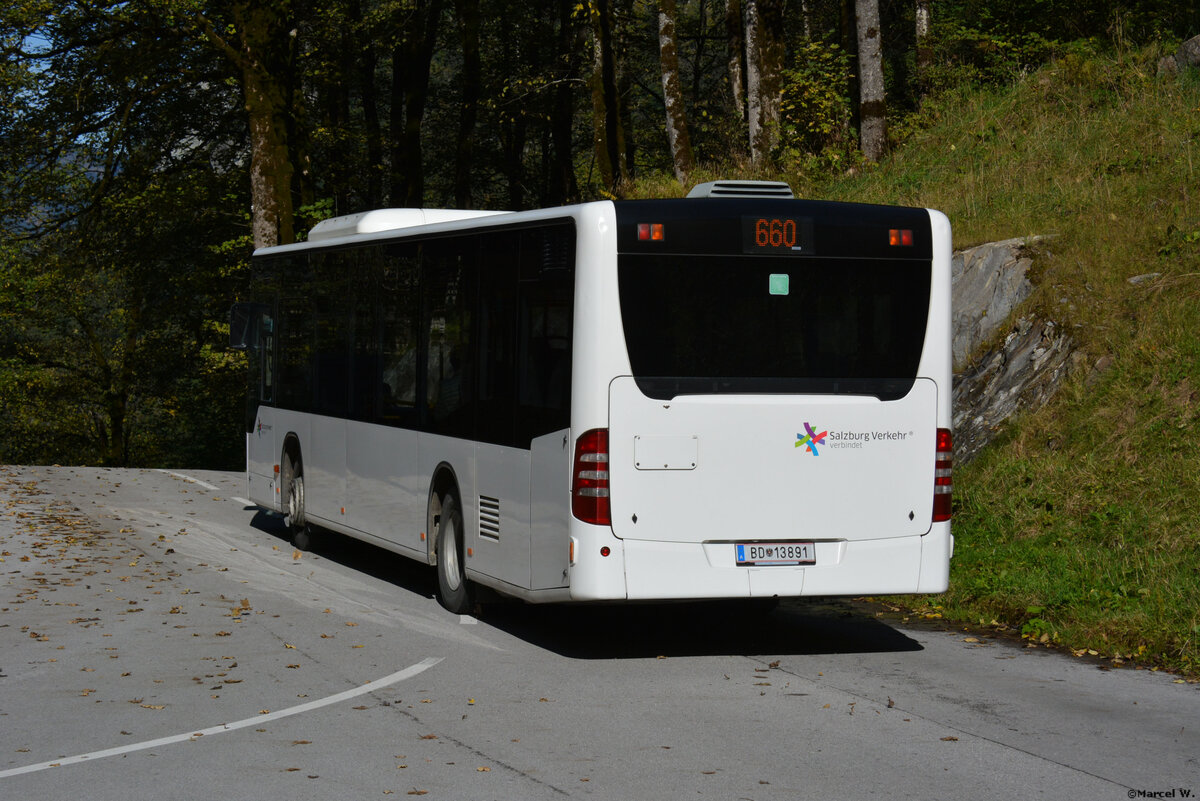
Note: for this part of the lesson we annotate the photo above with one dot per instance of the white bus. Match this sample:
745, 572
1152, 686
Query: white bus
731, 395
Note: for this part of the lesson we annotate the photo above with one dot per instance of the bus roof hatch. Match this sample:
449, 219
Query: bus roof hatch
742, 189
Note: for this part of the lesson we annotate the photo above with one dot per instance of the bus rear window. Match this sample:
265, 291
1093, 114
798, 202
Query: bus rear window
729, 324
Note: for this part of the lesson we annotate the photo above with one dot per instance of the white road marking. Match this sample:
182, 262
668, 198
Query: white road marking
189, 479
467, 620
243, 501
257, 720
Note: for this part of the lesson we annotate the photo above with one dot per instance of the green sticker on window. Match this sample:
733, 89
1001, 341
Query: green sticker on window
778, 284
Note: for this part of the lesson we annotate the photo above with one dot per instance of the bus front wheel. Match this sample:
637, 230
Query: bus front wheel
453, 589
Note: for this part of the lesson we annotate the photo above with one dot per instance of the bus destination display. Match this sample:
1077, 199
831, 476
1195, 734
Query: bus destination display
777, 235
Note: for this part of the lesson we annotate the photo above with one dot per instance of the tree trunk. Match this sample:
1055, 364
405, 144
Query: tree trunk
736, 48
563, 187
753, 79
373, 131
605, 100
764, 68
410, 92
621, 36
513, 134
924, 49
270, 168
677, 129
397, 181
872, 111
261, 30
468, 28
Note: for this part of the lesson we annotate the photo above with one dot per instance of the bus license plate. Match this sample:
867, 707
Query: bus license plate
750, 554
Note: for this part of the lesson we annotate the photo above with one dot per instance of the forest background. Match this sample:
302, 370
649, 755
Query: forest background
147, 146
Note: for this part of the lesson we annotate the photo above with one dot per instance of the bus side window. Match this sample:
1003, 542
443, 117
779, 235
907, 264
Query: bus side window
449, 277
267, 355
398, 308
331, 369
366, 390
495, 333
296, 322
547, 293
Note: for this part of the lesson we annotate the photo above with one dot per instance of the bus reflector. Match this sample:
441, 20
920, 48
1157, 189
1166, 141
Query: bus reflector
900, 236
589, 482
650, 232
943, 483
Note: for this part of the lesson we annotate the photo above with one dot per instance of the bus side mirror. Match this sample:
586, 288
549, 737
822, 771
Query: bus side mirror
245, 324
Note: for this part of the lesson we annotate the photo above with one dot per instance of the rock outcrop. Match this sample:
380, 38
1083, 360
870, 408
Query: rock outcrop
1020, 373
988, 282
1186, 57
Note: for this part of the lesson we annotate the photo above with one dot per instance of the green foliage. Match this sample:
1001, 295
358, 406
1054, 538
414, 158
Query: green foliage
815, 112
108, 355
1086, 509
964, 54
112, 207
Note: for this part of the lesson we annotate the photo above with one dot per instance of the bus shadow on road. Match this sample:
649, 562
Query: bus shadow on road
794, 627
639, 631
357, 555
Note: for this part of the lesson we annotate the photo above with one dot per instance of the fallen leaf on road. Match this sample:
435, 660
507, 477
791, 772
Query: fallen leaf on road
949, 739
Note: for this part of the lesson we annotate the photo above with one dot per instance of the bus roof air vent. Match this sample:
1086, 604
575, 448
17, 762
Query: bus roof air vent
370, 222
742, 189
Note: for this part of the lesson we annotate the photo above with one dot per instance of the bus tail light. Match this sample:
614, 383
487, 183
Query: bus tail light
651, 232
589, 478
943, 483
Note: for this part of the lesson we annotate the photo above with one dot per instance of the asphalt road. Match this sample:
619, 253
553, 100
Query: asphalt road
162, 640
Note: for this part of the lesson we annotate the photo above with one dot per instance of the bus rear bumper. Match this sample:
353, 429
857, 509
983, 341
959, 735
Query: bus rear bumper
898, 565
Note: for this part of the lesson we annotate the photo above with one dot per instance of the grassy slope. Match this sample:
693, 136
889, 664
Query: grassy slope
1081, 525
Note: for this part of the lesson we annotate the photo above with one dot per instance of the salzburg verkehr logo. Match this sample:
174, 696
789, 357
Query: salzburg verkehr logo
811, 439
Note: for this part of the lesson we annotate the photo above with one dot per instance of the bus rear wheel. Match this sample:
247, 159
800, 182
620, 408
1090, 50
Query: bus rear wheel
454, 591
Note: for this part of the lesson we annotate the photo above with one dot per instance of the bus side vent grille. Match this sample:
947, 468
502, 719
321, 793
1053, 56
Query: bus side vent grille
742, 189
489, 517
